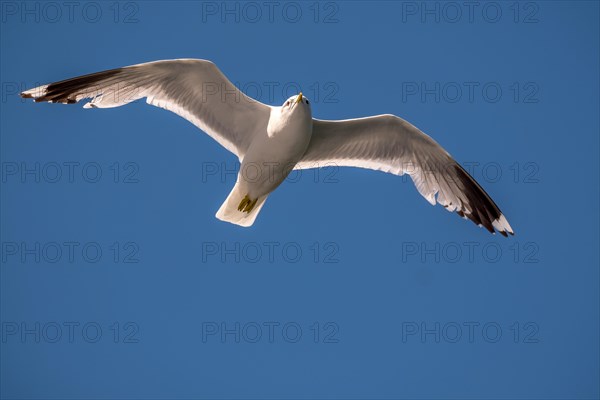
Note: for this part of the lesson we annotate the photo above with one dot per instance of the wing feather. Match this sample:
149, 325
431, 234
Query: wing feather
193, 89
390, 144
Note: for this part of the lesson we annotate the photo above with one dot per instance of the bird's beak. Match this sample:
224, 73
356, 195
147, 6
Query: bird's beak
299, 99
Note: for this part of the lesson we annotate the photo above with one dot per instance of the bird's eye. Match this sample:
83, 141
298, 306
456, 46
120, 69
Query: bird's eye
287, 103
307, 102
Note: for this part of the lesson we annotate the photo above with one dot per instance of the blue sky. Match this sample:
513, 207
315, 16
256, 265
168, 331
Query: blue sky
118, 281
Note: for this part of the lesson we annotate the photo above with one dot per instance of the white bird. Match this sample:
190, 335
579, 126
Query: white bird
271, 141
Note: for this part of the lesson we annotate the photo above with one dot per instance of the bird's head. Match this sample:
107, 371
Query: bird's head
296, 104
293, 115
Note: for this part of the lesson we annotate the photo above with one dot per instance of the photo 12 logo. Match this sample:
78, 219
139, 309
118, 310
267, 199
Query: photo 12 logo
270, 252
69, 332
470, 332
52, 12
490, 92
270, 332
69, 252
470, 12
252, 12
488, 252
227, 172
69, 172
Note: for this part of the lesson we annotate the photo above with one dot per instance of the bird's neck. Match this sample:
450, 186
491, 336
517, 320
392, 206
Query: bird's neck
289, 124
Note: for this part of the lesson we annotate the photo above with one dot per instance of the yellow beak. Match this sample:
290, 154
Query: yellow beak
299, 99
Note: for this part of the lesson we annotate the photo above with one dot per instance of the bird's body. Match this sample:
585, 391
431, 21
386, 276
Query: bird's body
273, 155
270, 158
272, 141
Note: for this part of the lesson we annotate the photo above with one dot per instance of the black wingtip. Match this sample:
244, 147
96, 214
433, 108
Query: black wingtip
65, 91
484, 212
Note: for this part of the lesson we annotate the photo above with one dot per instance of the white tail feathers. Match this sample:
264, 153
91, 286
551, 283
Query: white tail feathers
229, 209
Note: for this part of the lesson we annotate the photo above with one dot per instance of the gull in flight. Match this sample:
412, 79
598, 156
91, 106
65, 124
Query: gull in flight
272, 141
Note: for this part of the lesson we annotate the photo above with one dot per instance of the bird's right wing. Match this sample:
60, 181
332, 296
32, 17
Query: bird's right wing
193, 89
390, 144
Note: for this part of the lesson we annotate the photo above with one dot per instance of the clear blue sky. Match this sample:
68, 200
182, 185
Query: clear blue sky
349, 284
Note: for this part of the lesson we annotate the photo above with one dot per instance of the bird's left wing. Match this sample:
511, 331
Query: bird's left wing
193, 89
391, 144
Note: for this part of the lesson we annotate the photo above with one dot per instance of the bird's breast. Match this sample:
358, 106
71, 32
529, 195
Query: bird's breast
272, 156
288, 139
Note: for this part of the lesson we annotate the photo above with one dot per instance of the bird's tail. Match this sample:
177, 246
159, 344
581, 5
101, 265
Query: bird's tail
239, 209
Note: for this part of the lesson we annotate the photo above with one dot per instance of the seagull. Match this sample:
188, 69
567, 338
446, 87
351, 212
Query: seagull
272, 141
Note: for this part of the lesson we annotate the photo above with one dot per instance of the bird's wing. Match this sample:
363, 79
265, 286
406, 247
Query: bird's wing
193, 89
390, 144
